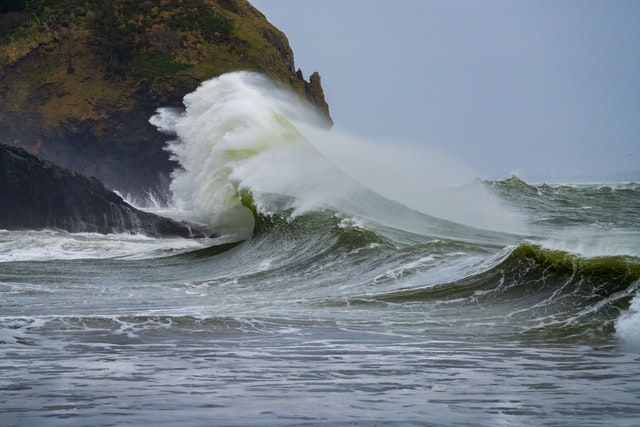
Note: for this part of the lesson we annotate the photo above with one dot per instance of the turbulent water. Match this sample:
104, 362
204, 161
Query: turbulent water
333, 297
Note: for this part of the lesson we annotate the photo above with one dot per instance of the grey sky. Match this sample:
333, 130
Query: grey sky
548, 88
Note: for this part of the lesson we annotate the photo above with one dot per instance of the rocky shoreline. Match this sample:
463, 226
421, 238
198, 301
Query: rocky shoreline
36, 194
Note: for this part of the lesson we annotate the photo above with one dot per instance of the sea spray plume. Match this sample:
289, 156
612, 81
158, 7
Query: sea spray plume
239, 134
420, 176
236, 137
628, 326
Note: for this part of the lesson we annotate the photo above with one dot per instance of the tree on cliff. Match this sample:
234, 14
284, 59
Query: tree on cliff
113, 33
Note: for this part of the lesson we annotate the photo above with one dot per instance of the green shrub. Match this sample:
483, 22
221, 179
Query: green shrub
212, 26
155, 63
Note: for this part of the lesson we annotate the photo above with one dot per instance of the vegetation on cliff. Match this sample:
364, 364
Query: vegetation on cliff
79, 79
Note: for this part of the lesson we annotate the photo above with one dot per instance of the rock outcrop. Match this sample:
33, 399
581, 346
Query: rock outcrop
35, 194
79, 80
314, 92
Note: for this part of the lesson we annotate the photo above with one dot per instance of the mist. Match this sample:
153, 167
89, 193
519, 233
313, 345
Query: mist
241, 134
425, 178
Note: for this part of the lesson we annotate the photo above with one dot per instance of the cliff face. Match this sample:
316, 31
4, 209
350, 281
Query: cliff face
79, 80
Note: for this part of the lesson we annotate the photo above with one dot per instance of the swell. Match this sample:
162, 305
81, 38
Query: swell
530, 269
564, 205
392, 266
537, 290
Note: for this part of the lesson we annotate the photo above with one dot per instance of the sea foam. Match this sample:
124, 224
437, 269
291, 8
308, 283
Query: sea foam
44, 245
628, 326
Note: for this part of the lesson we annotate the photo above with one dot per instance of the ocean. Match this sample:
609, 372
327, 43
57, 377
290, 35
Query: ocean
342, 289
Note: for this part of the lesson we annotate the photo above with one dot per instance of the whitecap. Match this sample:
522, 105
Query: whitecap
628, 326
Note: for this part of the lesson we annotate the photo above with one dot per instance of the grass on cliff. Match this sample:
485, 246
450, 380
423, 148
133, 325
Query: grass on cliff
126, 53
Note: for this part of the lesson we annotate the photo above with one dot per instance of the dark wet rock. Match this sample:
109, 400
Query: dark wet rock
36, 194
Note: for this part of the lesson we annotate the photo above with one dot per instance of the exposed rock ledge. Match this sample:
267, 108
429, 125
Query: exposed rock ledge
35, 194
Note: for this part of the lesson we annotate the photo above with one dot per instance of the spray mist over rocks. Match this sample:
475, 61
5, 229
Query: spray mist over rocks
240, 133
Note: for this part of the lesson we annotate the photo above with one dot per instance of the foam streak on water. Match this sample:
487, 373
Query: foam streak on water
46, 245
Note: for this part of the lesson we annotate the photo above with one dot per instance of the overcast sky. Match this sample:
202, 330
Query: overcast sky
546, 88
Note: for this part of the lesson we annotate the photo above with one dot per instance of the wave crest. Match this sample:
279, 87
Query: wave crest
237, 136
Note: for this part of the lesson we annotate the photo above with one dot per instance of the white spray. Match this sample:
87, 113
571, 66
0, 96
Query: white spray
422, 177
628, 326
239, 132
236, 134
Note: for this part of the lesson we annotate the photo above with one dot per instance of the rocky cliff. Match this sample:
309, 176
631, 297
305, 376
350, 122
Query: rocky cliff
79, 80
36, 194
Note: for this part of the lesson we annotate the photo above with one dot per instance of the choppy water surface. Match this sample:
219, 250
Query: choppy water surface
325, 303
